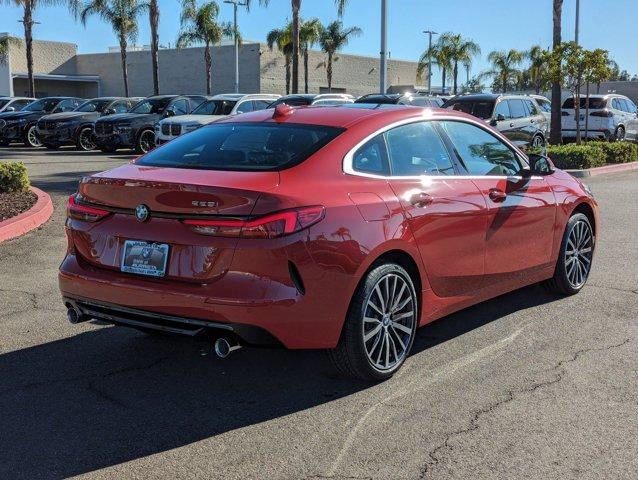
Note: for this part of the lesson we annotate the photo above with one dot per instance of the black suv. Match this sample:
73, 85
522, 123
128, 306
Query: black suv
415, 100
136, 129
76, 127
518, 117
21, 126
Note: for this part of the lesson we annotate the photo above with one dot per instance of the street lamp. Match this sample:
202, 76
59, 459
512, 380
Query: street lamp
430, 33
577, 21
235, 4
383, 87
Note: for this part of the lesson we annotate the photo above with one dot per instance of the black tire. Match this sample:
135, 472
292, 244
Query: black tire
30, 137
538, 141
562, 282
351, 357
142, 145
4, 143
85, 144
620, 133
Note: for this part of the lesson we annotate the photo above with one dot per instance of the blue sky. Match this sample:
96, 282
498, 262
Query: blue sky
494, 24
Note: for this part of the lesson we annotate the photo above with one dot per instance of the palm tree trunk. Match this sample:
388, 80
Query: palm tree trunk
296, 6
504, 80
209, 64
305, 69
443, 75
329, 72
154, 19
556, 136
28, 43
123, 45
287, 74
456, 76
577, 112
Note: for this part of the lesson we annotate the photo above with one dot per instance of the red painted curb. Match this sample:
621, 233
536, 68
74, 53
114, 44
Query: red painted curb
27, 221
592, 172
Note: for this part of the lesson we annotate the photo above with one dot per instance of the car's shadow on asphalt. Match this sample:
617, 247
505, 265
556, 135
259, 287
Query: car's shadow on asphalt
110, 395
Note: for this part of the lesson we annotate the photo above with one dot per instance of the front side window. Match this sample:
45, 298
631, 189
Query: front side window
65, 106
151, 105
631, 106
242, 147
93, 106
179, 107
517, 109
481, 152
531, 107
371, 157
43, 105
245, 107
502, 108
215, 107
417, 149
261, 104
121, 106
545, 106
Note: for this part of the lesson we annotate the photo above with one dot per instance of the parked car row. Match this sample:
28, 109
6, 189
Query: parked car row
111, 123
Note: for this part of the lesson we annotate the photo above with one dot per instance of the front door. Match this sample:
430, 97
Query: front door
521, 209
446, 213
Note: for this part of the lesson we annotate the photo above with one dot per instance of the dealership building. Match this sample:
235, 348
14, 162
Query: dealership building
60, 70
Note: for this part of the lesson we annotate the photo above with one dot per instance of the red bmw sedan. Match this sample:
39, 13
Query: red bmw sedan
340, 228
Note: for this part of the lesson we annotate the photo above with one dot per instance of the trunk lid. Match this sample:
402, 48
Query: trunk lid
171, 195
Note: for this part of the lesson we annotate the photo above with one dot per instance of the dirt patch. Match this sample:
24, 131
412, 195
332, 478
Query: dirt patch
14, 203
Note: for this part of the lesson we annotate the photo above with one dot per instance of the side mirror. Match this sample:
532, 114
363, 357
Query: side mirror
169, 113
108, 111
540, 164
10, 109
498, 118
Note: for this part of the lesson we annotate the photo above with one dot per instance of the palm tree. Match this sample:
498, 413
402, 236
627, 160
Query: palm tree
555, 127
153, 17
282, 39
504, 66
295, 6
121, 14
332, 39
309, 33
538, 74
461, 51
28, 8
200, 25
441, 56
6, 42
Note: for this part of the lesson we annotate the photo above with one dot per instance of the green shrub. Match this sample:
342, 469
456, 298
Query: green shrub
13, 177
618, 152
573, 156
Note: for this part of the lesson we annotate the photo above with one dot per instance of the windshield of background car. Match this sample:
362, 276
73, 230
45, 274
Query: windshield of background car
215, 107
594, 103
481, 109
93, 106
3, 103
242, 147
292, 102
151, 105
43, 105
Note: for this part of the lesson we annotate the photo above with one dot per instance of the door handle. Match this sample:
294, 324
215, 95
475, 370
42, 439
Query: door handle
497, 195
512, 124
532, 120
421, 199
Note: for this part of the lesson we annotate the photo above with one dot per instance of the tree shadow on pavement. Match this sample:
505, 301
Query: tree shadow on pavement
110, 395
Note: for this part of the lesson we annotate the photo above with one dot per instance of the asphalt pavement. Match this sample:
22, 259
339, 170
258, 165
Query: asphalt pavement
528, 385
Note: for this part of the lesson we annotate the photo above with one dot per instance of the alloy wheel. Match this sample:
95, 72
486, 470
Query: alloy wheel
537, 142
578, 254
147, 141
389, 322
32, 138
86, 140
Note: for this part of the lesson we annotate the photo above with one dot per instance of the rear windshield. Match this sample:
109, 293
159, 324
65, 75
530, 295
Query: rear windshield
242, 147
594, 103
480, 109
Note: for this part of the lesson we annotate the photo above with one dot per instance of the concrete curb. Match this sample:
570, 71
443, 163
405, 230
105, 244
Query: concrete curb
592, 172
27, 221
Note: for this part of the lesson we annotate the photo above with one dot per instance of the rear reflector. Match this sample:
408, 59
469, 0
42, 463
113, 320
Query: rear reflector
84, 212
274, 225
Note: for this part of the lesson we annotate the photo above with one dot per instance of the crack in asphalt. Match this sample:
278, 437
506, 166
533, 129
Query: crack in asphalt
511, 395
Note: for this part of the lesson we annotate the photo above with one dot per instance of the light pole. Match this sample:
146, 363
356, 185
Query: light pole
430, 33
235, 4
384, 47
577, 21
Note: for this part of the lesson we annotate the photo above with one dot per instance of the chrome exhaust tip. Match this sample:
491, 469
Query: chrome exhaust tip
74, 316
223, 347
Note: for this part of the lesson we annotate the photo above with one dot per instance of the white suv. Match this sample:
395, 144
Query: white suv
215, 108
611, 117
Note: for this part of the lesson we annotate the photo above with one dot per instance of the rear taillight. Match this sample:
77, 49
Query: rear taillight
84, 212
602, 113
274, 225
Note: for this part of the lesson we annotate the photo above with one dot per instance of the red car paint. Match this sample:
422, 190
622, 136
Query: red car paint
471, 239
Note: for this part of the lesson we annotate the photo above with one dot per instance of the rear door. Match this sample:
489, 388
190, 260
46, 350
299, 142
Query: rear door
519, 122
521, 210
632, 120
537, 121
447, 213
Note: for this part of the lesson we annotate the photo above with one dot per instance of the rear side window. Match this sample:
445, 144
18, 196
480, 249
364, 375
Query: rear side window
594, 103
242, 147
531, 107
417, 149
479, 109
371, 157
245, 107
545, 105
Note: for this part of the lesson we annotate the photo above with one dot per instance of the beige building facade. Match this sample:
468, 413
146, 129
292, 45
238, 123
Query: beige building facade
60, 70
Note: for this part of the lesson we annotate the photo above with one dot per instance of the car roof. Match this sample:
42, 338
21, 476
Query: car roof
241, 96
346, 115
